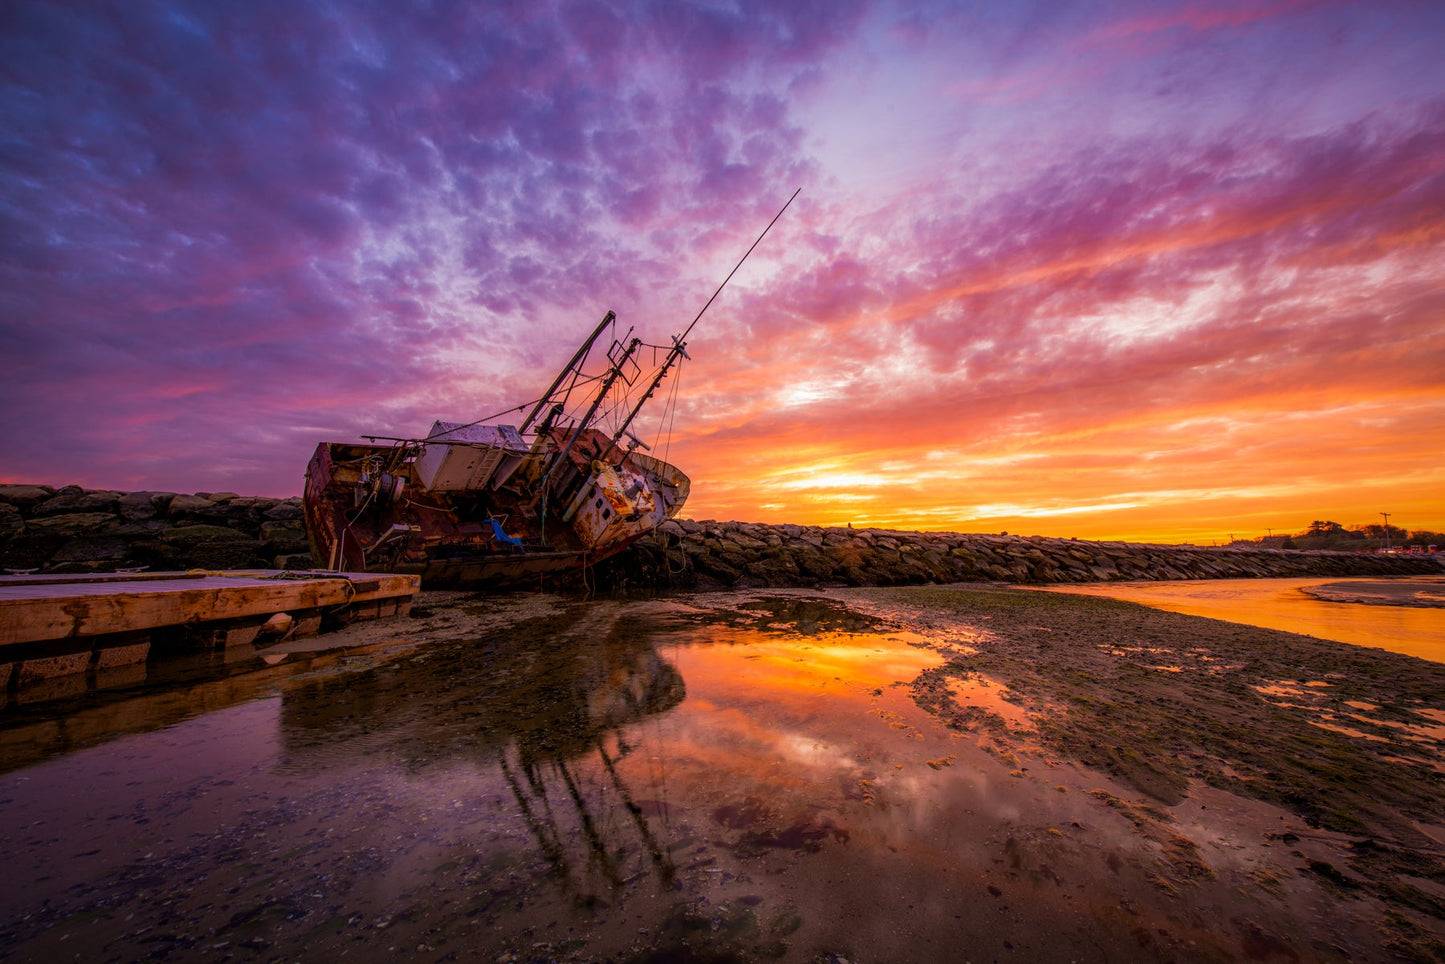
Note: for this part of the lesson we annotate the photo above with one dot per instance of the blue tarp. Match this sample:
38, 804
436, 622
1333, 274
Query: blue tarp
499, 535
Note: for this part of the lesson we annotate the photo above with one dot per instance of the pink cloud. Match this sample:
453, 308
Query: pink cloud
342, 220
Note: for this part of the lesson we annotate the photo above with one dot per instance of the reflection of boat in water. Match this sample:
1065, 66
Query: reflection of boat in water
545, 725
483, 503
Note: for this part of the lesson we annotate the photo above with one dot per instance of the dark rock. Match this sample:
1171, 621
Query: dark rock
194, 534
32, 550
811, 561
25, 497
226, 555
90, 554
282, 530
190, 506
285, 511
73, 524
73, 498
12, 523
144, 528
284, 538
137, 506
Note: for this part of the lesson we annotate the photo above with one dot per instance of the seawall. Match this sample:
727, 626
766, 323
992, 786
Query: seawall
77, 530
688, 554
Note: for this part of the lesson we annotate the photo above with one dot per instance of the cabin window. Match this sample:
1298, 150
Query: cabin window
606, 514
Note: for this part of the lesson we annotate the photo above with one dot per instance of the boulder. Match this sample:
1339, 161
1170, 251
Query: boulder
90, 554
191, 535
74, 524
137, 506
25, 497
284, 511
189, 506
282, 538
12, 523
32, 549
73, 498
238, 554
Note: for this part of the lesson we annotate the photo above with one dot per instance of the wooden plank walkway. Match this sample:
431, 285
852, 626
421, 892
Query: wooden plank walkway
60, 634
38, 608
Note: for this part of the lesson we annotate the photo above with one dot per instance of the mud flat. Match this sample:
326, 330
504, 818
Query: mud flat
964, 772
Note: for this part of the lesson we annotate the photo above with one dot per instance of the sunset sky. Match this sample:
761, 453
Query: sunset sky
1146, 271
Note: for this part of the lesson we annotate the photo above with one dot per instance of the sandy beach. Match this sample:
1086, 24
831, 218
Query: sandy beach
969, 772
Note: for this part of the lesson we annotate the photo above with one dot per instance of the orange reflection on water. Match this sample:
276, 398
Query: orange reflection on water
990, 696
794, 670
775, 716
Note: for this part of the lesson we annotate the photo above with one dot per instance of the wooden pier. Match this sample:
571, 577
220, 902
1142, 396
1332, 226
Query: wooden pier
54, 627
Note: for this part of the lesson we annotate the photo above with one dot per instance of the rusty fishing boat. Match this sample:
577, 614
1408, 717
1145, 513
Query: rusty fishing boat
476, 503
485, 503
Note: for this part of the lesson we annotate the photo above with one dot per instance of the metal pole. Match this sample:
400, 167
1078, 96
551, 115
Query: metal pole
678, 341
734, 271
582, 352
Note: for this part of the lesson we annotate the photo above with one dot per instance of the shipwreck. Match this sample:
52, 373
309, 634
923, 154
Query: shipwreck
495, 504
483, 503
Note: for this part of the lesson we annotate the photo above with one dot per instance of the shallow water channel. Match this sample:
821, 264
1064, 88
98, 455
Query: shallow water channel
1324, 608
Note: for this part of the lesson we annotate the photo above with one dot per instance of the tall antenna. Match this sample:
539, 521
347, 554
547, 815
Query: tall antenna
679, 346
734, 271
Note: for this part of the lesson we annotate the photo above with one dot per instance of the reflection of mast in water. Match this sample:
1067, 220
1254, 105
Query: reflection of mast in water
660, 860
544, 828
536, 706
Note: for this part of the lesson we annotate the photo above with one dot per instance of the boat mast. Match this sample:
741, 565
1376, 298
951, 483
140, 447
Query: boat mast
581, 354
613, 374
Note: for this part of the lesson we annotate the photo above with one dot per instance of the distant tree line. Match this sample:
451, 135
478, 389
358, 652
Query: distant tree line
1323, 534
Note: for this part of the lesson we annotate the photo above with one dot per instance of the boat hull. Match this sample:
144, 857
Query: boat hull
483, 522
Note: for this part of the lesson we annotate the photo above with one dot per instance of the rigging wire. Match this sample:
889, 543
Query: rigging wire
669, 416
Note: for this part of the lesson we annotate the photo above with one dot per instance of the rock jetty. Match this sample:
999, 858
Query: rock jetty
72, 529
688, 554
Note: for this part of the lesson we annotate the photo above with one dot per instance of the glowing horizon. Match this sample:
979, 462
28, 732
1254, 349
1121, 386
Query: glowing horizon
1114, 271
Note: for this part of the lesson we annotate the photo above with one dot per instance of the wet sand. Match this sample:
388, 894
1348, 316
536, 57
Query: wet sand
935, 773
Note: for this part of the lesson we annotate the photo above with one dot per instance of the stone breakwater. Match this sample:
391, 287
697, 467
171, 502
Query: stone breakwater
71, 529
76, 530
688, 554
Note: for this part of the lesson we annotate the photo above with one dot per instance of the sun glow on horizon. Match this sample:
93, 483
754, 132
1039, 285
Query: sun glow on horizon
1093, 270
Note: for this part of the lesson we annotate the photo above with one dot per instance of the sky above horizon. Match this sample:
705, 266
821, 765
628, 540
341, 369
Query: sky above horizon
1138, 270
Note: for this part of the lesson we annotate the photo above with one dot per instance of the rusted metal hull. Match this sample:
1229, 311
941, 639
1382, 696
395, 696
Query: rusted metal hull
369, 508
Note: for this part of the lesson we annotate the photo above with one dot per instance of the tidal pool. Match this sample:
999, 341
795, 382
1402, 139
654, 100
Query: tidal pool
744, 779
